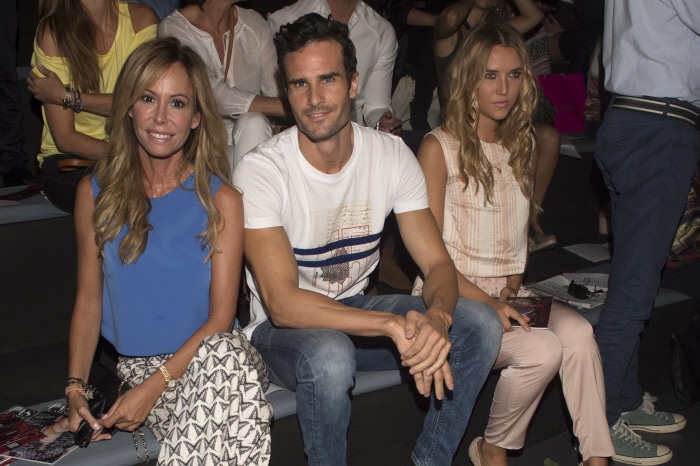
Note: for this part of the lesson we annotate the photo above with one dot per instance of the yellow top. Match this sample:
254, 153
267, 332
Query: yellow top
125, 41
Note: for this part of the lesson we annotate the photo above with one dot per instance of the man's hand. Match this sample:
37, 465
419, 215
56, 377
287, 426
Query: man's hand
388, 124
49, 90
505, 312
428, 335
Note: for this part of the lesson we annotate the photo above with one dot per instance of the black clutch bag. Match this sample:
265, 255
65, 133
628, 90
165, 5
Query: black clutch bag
108, 389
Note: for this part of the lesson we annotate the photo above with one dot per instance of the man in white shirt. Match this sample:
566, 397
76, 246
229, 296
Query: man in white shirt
237, 49
316, 197
375, 45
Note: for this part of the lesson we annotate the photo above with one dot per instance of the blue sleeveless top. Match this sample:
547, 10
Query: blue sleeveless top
153, 306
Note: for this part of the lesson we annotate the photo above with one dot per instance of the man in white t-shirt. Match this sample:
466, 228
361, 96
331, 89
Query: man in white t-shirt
316, 198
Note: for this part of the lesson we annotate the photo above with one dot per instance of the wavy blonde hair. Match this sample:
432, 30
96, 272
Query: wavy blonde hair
76, 36
515, 132
122, 201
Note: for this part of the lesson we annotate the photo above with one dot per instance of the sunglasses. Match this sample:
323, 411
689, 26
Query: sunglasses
581, 291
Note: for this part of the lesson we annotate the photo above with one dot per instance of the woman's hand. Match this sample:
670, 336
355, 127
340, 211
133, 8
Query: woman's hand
505, 312
49, 90
78, 411
131, 409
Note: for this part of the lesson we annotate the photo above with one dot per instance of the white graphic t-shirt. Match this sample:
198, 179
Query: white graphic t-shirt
334, 222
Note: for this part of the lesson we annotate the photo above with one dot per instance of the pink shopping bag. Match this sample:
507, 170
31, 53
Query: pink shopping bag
567, 92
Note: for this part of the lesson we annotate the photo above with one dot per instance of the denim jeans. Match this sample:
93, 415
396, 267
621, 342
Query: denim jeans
647, 162
320, 366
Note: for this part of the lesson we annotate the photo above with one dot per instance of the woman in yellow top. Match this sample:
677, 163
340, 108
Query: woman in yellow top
79, 49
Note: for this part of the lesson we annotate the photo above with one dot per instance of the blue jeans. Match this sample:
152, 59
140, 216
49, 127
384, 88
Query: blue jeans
320, 366
647, 162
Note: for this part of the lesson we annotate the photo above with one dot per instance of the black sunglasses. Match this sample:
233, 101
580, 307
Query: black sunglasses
581, 291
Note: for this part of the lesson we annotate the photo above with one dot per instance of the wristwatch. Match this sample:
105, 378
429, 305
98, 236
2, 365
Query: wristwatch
170, 382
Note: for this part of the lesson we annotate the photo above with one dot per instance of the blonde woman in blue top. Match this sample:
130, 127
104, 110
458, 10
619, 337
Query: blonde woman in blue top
160, 238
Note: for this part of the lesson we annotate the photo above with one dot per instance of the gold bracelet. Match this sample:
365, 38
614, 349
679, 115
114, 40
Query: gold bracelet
75, 389
169, 380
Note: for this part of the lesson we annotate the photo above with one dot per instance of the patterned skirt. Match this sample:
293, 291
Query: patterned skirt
217, 413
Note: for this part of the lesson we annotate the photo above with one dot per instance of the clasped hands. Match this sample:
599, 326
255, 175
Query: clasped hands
424, 346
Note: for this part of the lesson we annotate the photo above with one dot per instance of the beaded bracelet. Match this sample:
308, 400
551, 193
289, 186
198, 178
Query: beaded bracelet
77, 100
66, 102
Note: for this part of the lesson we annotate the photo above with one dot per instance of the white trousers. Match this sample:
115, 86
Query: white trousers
249, 130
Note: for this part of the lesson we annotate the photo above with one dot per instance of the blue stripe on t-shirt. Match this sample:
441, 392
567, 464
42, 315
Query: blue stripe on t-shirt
335, 245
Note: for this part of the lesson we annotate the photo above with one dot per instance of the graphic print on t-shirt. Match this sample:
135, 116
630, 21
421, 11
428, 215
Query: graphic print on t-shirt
345, 251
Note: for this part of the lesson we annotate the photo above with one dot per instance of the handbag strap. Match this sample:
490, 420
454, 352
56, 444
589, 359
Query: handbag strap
231, 24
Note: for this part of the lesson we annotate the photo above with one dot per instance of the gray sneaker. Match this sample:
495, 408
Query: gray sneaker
630, 448
647, 419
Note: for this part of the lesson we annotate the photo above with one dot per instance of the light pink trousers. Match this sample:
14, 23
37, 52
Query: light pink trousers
529, 361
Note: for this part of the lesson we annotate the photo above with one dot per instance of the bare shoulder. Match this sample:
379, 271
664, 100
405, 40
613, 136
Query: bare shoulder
85, 187
141, 16
229, 199
430, 150
46, 41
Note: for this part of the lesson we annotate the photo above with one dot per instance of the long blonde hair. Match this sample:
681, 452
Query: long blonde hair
76, 36
122, 201
515, 132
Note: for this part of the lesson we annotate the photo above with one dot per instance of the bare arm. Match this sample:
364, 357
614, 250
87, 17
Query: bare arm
418, 17
529, 17
87, 311
448, 23
132, 408
50, 90
69, 141
430, 331
272, 261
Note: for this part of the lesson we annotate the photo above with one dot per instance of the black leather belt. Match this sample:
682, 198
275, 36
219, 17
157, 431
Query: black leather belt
671, 108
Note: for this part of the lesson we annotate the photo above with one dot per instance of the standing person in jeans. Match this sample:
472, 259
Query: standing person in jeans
647, 150
316, 197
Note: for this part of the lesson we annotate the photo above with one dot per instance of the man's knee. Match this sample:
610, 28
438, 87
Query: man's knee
328, 358
479, 324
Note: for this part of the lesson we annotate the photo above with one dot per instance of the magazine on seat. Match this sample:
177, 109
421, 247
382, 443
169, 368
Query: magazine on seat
56, 440
557, 287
